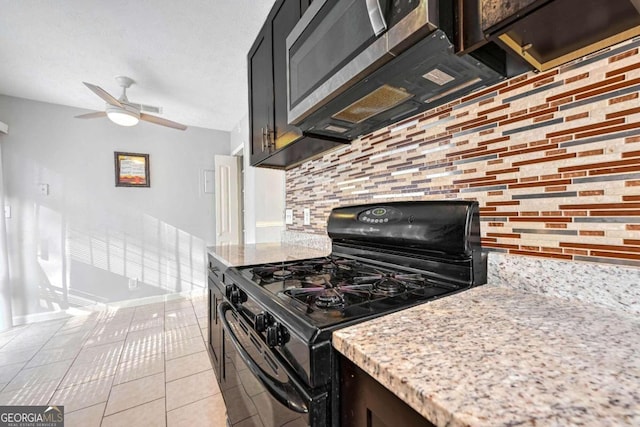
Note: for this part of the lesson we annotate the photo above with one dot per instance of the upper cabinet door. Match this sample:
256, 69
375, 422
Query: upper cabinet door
285, 18
260, 96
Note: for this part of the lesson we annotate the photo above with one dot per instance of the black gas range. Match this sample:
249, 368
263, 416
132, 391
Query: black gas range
271, 324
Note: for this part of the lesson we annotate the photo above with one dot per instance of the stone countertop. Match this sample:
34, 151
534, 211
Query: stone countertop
493, 356
260, 253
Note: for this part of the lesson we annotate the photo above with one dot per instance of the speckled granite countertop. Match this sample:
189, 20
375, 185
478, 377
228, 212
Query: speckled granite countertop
492, 356
233, 255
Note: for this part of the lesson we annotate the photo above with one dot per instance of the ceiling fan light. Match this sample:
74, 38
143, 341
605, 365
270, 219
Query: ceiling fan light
123, 117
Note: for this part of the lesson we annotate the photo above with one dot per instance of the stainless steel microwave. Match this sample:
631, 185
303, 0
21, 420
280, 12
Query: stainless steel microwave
336, 42
355, 66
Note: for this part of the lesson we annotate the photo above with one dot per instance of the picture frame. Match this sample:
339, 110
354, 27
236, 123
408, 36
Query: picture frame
132, 169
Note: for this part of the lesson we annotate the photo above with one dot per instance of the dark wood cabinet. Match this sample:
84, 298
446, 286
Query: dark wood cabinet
572, 28
364, 402
260, 96
272, 137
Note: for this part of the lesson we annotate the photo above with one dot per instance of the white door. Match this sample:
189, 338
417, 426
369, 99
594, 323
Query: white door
227, 200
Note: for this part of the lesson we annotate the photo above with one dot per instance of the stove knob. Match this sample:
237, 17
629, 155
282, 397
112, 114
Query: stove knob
262, 320
277, 335
228, 290
235, 296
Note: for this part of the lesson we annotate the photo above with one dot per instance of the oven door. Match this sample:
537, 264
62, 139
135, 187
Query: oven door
257, 386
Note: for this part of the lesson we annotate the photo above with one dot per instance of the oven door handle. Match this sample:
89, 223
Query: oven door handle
290, 393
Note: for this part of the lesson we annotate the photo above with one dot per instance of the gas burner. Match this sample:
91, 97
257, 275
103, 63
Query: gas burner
270, 272
392, 283
329, 299
266, 271
389, 286
282, 274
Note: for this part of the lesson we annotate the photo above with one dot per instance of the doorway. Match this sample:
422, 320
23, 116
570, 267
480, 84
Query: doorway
228, 187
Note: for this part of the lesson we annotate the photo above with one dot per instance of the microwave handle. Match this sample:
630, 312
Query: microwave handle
376, 17
289, 394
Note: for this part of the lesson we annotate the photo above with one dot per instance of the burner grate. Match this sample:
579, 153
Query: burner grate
339, 267
335, 285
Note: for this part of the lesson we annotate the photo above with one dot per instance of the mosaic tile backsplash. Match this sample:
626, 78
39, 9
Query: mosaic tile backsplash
552, 158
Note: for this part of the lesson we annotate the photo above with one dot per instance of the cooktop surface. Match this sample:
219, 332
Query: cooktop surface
334, 289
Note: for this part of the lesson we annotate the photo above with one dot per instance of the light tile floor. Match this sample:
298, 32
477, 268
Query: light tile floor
136, 366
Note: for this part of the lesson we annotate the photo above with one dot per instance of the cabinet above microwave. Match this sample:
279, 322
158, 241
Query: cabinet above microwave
548, 33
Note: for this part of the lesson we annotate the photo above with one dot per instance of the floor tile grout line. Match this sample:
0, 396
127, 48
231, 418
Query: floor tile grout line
41, 346
59, 381
85, 382
126, 409
144, 376
74, 361
114, 376
174, 330
195, 401
86, 407
189, 375
23, 368
193, 375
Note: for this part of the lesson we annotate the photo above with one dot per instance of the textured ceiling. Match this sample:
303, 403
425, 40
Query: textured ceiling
187, 56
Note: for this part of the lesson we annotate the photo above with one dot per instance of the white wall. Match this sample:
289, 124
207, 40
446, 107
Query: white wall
264, 193
85, 240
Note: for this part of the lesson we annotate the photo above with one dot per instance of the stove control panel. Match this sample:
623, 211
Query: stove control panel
275, 333
380, 215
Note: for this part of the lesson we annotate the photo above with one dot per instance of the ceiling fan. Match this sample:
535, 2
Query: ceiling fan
123, 112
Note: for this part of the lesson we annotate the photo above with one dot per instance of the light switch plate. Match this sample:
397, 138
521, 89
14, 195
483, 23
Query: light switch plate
7, 211
307, 216
288, 216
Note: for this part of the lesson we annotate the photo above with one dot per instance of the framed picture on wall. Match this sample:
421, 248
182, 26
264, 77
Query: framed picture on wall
132, 169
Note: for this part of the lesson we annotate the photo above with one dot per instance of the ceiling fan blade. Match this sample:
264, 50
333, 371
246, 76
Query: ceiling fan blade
103, 94
93, 115
162, 122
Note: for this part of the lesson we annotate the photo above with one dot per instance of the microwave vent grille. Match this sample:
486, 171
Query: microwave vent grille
381, 99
